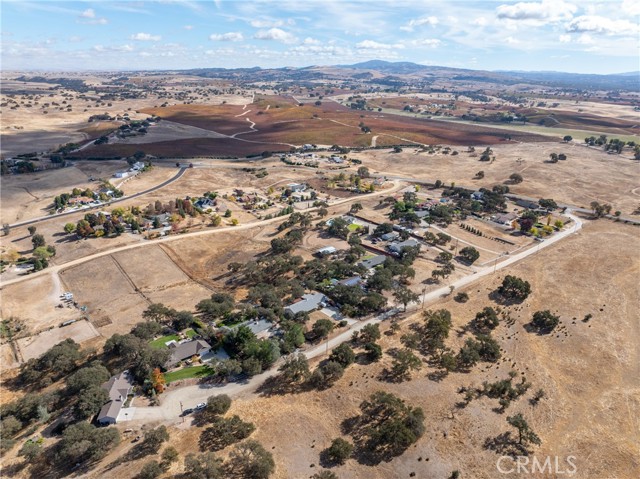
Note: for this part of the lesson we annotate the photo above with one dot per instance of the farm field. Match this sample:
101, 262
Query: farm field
587, 175
286, 124
30, 196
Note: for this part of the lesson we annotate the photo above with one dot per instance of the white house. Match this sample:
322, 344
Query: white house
399, 247
297, 187
309, 302
118, 387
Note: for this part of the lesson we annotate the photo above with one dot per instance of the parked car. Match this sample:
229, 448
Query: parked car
201, 406
186, 412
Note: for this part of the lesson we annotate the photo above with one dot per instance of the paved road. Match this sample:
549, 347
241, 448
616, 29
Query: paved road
117, 200
189, 396
255, 224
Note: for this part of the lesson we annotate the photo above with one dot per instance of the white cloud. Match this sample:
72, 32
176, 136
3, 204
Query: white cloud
631, 7
585, 39
373, 45
416, 22
88, 17
512, 41
226, 37
311, 41
115, 48
271, 23
427, 42
595, 24
564, 38
320, 50
145, 37
275, 34
547, 10
480, 21
188, 27
221, 51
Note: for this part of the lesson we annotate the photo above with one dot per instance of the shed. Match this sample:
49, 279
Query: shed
326, 251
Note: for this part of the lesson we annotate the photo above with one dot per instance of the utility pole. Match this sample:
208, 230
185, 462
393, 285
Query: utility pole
424, 295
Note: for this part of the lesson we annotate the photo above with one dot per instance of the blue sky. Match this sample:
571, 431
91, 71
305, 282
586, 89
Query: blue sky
574, 36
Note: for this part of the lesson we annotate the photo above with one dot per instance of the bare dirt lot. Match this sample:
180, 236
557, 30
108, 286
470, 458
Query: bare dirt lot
115, 311
116, 289
167, 131
587, 175
35, 302
34, 346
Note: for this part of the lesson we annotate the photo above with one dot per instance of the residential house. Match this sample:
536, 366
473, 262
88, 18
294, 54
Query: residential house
390, 236
505, 218
118, 388
309, 302
299, 196
121, 174
477, 195
261, 327
373, 262
531, 205
137, 166
353, 281
186, 350
79, 200
399, 247
428, 205
204, 203
297, 187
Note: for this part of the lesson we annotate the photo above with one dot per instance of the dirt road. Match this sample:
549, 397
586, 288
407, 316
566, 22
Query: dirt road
254, 224
189, 396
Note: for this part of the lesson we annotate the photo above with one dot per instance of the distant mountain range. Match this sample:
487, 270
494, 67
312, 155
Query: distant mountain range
396, 73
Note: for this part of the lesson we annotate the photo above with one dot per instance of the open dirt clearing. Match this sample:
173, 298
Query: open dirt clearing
34, 346
168, 131
35, 302
118, 288
587, 175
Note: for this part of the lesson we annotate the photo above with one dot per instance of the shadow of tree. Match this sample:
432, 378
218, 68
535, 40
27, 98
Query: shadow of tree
505, 444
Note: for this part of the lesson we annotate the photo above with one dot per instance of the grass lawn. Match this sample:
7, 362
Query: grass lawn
186, 373
190, 333
353, 227
159, 343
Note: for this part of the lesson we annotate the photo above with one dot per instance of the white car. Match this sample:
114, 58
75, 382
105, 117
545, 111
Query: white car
201, 405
